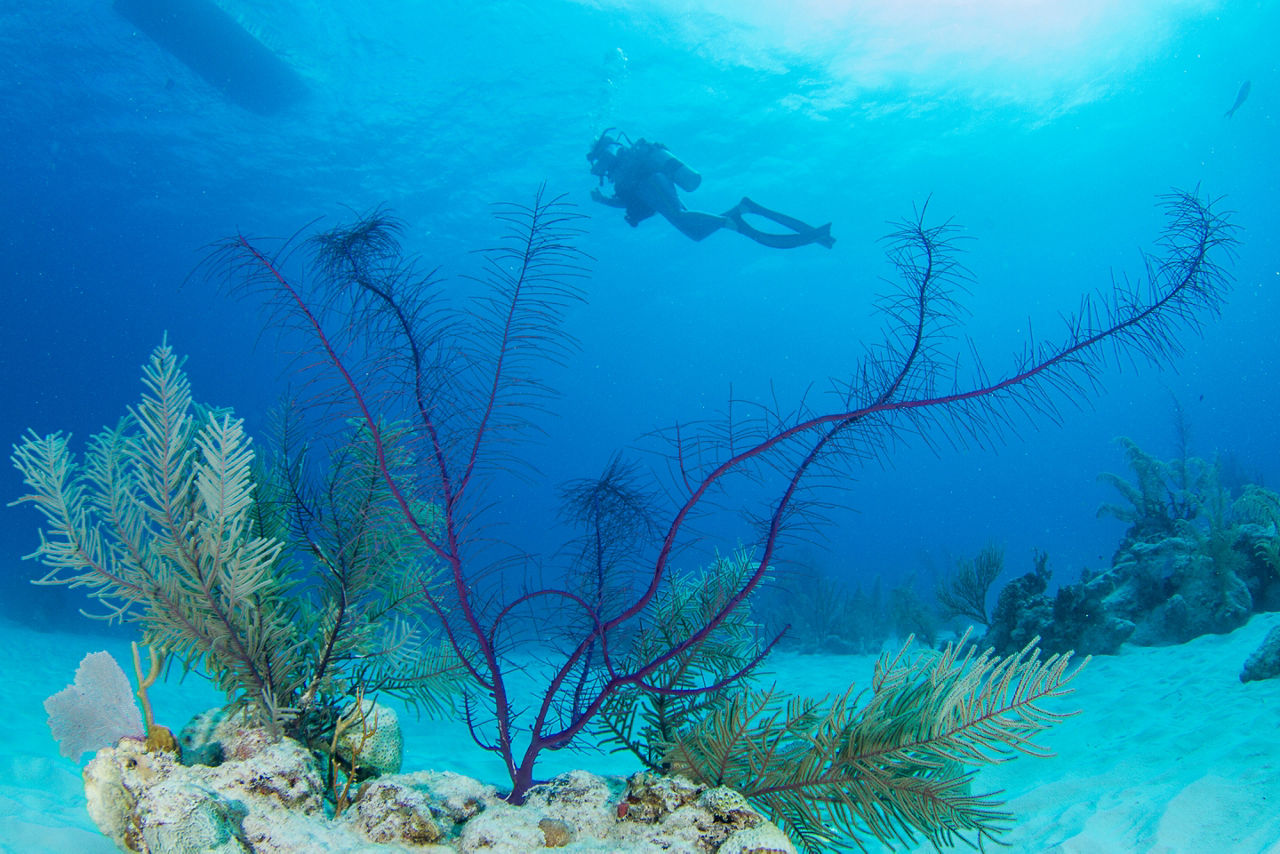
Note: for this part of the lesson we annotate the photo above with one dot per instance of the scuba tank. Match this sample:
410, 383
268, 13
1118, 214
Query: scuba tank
653, 157
685, 178
660, 159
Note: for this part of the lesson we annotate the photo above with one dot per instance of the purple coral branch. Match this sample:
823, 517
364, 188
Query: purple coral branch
898, 382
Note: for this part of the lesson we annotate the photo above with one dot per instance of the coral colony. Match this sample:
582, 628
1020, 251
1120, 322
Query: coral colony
351, 562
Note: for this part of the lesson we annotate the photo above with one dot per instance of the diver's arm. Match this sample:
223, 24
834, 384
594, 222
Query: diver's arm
611, 201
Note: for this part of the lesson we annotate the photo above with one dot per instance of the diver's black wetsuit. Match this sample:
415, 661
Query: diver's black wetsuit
644, 177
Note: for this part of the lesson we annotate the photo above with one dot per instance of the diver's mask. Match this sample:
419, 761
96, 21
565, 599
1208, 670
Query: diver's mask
606, 144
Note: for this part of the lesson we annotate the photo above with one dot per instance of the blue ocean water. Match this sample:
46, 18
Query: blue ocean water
1046, 134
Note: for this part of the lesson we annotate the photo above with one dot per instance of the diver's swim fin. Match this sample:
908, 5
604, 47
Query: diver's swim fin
751, 207
803, 236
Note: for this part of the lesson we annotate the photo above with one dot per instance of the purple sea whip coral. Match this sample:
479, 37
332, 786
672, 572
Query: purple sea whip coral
387, 350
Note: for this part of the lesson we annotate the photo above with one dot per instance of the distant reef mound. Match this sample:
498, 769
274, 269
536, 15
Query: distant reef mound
1201, 555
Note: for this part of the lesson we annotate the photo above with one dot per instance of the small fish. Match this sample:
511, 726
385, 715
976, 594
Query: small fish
1241, 97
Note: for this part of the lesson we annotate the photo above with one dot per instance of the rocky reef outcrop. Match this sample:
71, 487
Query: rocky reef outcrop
1162, 591
253, 793
1264, 662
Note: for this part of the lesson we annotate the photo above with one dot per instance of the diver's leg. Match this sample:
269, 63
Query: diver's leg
697, 225
659, 193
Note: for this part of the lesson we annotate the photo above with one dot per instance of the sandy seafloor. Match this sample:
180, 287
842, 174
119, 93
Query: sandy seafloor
1170, 753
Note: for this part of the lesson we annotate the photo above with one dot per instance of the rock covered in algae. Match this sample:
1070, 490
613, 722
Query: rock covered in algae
217, 734
268, 795
1264, 662
375, 741
266, 800
418, 808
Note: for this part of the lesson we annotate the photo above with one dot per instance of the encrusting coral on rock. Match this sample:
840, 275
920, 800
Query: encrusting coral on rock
269, 795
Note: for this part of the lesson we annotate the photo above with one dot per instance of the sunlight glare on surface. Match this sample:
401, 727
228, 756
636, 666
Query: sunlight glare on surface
1004, 51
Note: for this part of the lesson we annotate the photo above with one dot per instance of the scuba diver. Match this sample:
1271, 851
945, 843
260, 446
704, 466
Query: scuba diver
645, 176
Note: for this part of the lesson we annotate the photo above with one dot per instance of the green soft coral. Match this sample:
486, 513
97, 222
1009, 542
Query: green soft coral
170, 521
157, 521
897, 767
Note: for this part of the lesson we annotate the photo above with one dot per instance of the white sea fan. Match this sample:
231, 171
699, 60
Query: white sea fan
96, 711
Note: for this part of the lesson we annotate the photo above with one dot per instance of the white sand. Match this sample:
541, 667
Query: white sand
1171, 753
